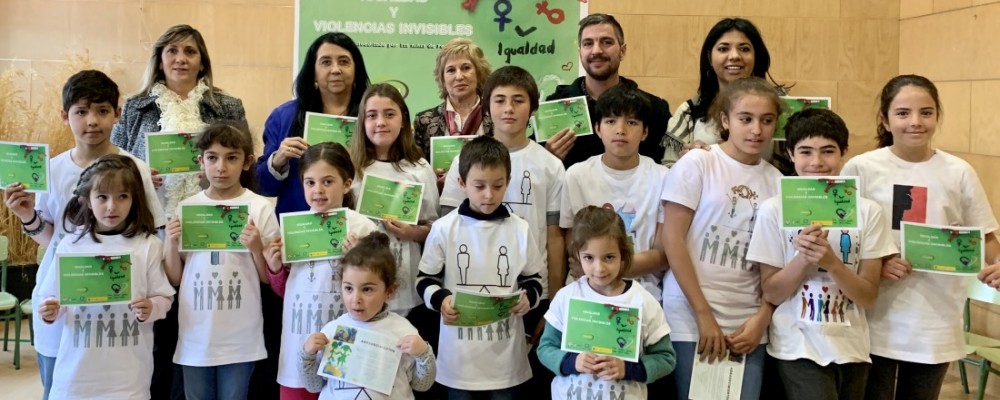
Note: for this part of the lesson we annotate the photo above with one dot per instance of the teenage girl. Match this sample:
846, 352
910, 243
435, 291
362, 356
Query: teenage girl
599, 243
219, 316
711, 294
368, 280
312, 288
112, 212
385, 147
916, 328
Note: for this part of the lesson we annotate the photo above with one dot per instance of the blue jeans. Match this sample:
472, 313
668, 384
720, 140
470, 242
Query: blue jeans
230, 381
498, 394
46, 365
753, 371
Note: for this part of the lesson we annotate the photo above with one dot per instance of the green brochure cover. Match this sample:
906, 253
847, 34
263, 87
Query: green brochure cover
444, 149
830, 201
310, 235
27, 163
939, 249
556, 115
387, 199
794, 104
213, 226
361, 357
603, 329
476, 309
89, 279
173, 152
321, 128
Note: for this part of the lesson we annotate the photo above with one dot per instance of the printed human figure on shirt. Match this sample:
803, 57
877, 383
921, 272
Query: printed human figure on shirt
103, 332
909, 203
525, 193
310, 311
588, 386
628, 216
483, 279
496, 331
462, 259
826, 305
503, 266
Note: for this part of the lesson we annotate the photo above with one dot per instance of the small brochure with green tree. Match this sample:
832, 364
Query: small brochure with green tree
556, 115
312, 236
213, 226
952, 250
25, 163
173, 152
829, 201
444, 149
476, 309
387, 199
95, 279
603, 329
361, 357
321, 128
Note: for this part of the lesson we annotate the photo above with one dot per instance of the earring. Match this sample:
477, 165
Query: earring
316, 85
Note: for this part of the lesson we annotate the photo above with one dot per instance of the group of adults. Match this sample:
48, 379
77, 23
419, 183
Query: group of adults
178, 93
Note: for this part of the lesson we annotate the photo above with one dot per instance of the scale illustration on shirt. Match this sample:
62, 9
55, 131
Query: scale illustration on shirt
92, 331
587, 387
909, 203
362, 392
820, 305
463, 261
215, 293
525, 198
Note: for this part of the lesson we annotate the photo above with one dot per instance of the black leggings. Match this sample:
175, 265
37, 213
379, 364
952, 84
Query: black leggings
891, 379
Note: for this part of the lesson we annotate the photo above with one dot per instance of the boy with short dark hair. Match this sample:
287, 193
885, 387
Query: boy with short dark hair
90, 108
481, 247
820, 279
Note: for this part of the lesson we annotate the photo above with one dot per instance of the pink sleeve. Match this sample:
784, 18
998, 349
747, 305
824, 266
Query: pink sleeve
278, 280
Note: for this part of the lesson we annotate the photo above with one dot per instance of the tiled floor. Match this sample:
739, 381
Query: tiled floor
23, 384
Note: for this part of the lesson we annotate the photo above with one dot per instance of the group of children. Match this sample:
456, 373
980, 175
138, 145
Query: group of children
511, 220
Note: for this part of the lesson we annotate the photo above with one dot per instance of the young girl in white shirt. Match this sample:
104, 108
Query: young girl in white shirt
111, 210
599, 243
711, 294
219, 316
368, 280
916, 323
312, 288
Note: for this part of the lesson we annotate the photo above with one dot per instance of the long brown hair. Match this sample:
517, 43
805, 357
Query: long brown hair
175, 34
889, 92
404, 148
735, 91
109, 173
335, 155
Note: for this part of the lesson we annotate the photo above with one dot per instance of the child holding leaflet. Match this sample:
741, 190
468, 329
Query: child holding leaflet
326, 173
368, 278
481, 247
711, 294
217, 346
111, 213
90, 109
600, 244
822, 351
916, 328
385, 146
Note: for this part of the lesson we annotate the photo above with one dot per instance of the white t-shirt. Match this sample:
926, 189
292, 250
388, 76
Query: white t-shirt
64, 175
534, 193
219, 316
818, 322
725, 195
481, 256
392, 325
104, 352
943, 190
406, 252
654, 328
312, 298
633, 194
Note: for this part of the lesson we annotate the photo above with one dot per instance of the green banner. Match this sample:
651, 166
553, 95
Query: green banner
830, 201
25, 163
794, 104
173, 152
386, 199
942, 249
321, 128
444, 149
603, 329
213, 227
400, 40
554, 116
86, 279
310, 235
477, 310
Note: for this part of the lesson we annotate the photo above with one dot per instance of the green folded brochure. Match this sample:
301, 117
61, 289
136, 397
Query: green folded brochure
173, 152
830, 201
27, 163
95, 279
312, 236
940, 249
213, 226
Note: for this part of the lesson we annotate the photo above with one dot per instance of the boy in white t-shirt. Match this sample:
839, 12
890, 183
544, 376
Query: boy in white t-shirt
821, 280
481, 247
90, 109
